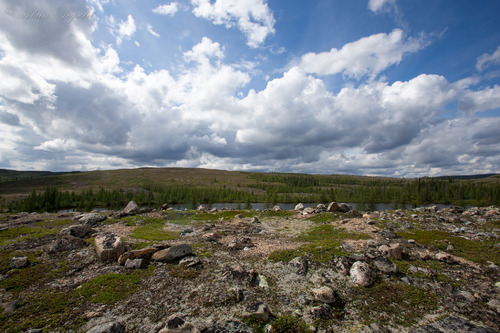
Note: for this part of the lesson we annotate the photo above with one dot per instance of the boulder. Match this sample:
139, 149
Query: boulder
392, 250
362, 274
325, 295
257, 311
66, 243
344, 208
176, 324
300, 265
79, 231
240, 243
445, 257
308, 211
190, 261
321, 208
299, 206
332, 207
19, 262
112, 327
90, 219
277, 208
343, 265
131, 208
136, 263
254, 220
109, 246
173, 253
385, 265
210, 237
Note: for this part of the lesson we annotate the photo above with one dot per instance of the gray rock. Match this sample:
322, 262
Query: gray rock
453, 325
344, 208
392, 250
9, 307
131, 208
362, 274
240, 273
300, 265
308, 210
109, 246
299, 206
332, 207
79, 231
385, 265
323, 311
136, 263
375, 328
276, 208
325, 295
173, 253
254, 220
190, 261
90, 219
343, 265
19, 262
112, 327
240, 243
258, 311
66, 243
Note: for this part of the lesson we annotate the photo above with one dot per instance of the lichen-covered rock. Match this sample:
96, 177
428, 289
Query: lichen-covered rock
79, 231
173, 253
300, 265
362, 274
136, 263
445, 257
257, 311
332, 207
393, 250
90, 219
385, 265
19, 262
299, 206
131, 208
240, 243
112, 327
325, 295
109, 246
66, 243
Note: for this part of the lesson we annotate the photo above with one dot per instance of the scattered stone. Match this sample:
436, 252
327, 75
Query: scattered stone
385, 265
258, 311
240, 243
277, 208
109, 246
344, 208
323, 311
495, 305
240, 273
445, 257
90, 219
173, 253
254, 220
66, 243
300, 265
343, 265
452, 325
19, 262
211, 237
332, 207
325, 295
112, 327
79, 231
308, 211
393, 250
299, 206
261, 281
190, 261
362, 274
136, 263
131, 208
375, 328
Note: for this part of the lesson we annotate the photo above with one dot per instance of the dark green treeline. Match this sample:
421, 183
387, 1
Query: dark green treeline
276, 188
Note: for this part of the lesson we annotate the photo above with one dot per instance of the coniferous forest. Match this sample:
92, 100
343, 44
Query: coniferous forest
268, 188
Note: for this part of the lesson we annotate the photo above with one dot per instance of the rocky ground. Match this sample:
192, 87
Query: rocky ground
313, 269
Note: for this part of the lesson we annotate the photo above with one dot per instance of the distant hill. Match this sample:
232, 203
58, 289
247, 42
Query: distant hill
481, 176
7, 175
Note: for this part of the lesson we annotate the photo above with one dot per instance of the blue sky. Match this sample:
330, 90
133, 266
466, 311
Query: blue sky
376, 87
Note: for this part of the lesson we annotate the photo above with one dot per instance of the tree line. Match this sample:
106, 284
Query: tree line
272, 189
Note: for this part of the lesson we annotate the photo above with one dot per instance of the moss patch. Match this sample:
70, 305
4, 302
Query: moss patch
289, 324
151, 229
393, 301
478, 251
13, 235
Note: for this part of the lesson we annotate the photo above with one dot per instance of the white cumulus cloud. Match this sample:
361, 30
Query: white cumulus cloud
486, 59
366, 56
253, 17
168, 9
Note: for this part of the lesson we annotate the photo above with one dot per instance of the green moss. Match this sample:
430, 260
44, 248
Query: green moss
153, 231
394, 301
323, 243
13, 235
111, 288
17, 280
289, 324
478, 251
182, 271
258, 326
227, 215
55, 223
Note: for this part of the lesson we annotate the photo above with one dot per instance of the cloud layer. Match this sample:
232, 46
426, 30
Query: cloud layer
68, 108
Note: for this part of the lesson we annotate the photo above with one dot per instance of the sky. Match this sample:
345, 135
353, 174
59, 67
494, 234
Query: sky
399, 88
